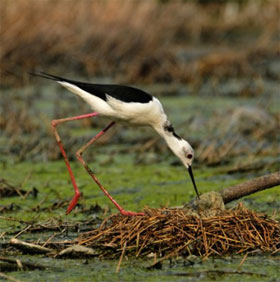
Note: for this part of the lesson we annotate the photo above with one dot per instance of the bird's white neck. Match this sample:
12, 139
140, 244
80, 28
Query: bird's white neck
166, 131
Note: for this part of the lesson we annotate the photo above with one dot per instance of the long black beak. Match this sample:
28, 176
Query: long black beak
192, 178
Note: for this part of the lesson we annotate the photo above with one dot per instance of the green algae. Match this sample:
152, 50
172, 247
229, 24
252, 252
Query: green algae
134, 187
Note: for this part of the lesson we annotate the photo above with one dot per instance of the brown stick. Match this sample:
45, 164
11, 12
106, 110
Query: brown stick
249, 187
31, 248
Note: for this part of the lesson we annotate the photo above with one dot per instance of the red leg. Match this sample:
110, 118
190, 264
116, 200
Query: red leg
79, 154
57, 137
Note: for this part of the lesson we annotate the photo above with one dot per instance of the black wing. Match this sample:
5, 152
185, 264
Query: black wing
121, 92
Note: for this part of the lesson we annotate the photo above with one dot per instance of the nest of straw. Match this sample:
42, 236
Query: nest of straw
165, 233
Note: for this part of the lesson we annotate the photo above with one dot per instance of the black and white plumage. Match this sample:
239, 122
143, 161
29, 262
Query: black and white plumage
131, 105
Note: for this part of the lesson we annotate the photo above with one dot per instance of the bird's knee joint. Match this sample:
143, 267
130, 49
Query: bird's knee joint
78, 154
54, 123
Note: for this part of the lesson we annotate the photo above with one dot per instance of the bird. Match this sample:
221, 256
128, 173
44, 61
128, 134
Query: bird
119, 103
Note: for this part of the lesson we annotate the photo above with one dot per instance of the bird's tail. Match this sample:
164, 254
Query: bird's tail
48, 76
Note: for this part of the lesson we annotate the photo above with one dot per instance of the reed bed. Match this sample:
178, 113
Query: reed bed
137, 40
166, 233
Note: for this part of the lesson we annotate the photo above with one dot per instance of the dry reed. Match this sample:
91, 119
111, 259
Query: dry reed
136, 40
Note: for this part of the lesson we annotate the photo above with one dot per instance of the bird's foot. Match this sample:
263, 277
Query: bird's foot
73, 203
129, 213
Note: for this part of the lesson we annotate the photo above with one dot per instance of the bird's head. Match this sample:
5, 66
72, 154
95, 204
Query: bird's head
180, 147
185, 153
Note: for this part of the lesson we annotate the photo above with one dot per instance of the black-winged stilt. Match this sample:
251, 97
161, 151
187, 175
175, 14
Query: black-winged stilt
120, 103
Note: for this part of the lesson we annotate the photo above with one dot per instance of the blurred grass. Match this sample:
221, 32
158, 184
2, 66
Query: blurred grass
143, 41
217, 64
235, 134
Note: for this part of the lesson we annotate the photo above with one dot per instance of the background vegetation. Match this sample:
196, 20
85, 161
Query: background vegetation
177, 48
140, 41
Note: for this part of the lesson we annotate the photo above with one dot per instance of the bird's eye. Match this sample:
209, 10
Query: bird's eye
189, 156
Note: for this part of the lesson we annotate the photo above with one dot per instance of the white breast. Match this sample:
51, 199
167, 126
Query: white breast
138, 113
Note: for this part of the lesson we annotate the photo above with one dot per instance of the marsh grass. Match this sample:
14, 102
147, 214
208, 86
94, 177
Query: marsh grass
137, 40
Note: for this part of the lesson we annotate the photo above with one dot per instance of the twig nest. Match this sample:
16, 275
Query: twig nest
170, 232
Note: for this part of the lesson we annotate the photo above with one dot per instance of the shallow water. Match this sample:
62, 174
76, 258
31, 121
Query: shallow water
226, 269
